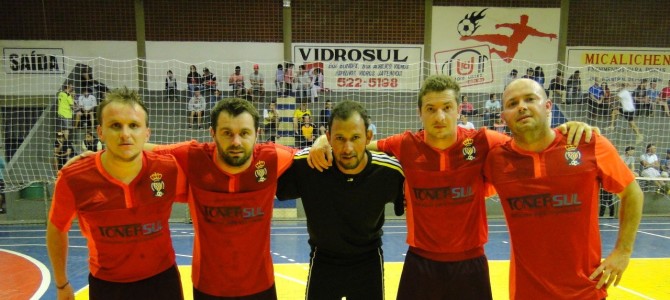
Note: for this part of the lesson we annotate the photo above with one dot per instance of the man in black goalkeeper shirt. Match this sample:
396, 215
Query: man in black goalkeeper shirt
345, 208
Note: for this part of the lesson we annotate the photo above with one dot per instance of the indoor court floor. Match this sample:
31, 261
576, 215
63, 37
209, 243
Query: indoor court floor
25, 267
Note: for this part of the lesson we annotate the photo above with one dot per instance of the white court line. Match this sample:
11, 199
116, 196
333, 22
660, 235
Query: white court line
634, 292
289, 278
46, 276
647, 233
184, 255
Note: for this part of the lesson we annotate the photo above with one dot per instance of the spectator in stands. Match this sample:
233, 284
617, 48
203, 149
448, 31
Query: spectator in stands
372, 127
3, 205
196, 110
665, 94
491, 110
324, 117
271, 122
307, 131
193, 80
65, 109
289, 79
557, 88
297, 117
538, 75
466, 108
317, 84
626, 107
304, 84
122, 198
606, 201
510, 77
655, 99
642, 104
279, 80
90, 143
595, 98
665, 162
170, 86
464, 123
574, 87
236, 81
257, 81
87, 104
530, 74
63, 150
209, 86
629, 159
651, 166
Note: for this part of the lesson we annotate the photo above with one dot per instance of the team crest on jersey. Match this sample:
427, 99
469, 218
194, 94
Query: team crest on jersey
157, 185
469, 150
572, 155
261, 171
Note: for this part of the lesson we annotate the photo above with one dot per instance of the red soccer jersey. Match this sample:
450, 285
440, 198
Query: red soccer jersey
231, 216
665, 93
550, 200
126, 226
445, 191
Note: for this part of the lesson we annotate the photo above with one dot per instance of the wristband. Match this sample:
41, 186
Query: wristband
63, 286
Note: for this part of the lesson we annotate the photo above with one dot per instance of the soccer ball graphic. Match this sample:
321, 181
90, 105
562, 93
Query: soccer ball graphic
466, 27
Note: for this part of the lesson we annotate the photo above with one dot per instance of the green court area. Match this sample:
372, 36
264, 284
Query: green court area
645, 278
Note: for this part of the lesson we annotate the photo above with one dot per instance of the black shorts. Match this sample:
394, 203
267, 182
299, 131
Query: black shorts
269, 294
423, 278
356, 278
627, 114
164, 285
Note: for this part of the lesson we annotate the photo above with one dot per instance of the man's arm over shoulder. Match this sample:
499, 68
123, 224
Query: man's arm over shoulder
390, 145
397, 178
289, 181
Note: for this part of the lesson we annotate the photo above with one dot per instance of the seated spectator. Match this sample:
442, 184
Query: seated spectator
90, 143
651, 166
629, 158
271, 121
466, 108
530, 74
63, 151
324, 116
538, 75
665, 94
86, 105
257, 88
499, 126
510, 77
193, 80
665, 162
307, 131
297, 117
236, 81
170, 86
557, 88
209, 86
491, 111
464, 123
196, 110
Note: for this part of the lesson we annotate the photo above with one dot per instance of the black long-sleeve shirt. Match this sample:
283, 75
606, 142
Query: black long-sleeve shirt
345, 213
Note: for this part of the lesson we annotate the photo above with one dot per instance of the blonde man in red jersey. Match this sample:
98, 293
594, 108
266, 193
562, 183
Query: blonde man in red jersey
445, 191
549, 192
123, 210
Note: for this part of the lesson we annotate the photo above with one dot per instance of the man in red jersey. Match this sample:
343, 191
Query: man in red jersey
233, 181
445, 192
123, 211
549, 192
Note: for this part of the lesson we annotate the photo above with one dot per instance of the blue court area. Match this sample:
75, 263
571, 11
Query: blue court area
646, 278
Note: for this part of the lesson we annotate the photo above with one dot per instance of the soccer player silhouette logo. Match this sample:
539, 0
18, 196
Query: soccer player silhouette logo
520, 31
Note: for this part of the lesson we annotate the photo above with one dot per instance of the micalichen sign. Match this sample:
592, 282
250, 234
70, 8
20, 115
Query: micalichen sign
33, 60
